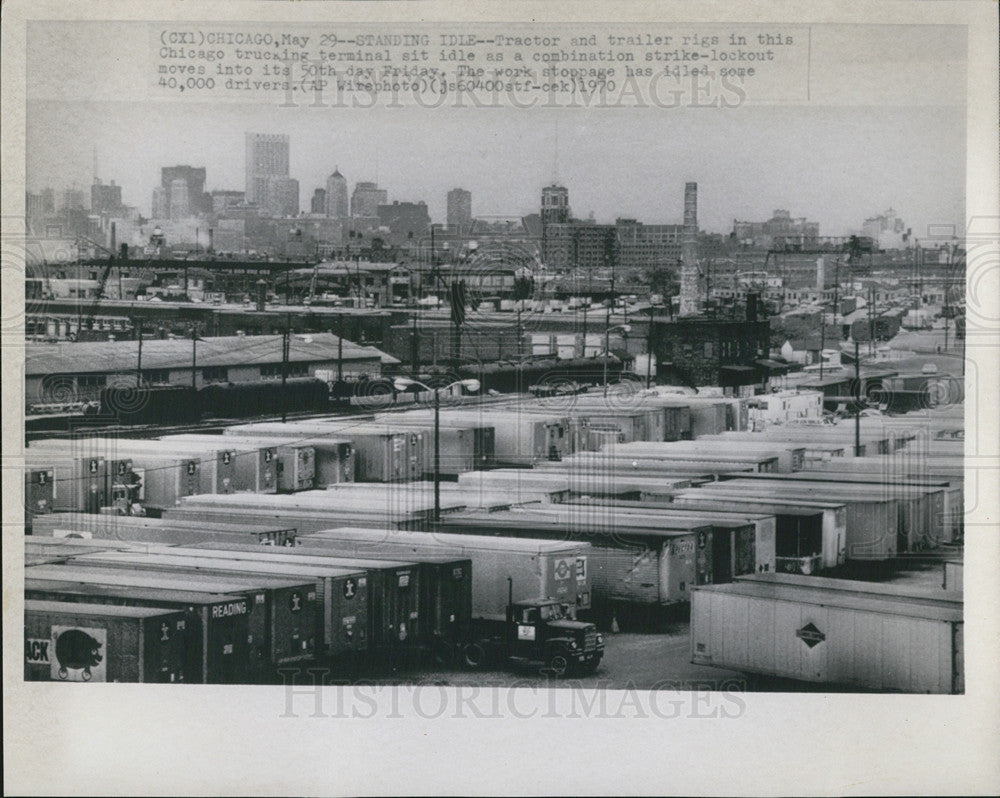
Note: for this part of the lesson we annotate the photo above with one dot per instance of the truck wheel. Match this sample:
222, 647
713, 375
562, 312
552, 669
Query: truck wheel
443, 652
557, 662
474, 655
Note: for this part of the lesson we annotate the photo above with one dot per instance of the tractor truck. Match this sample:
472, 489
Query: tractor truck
541, 632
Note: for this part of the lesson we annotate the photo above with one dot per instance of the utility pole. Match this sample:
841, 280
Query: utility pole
519, 331
649, 349
340, 349
194, 357
947, 298
285, 346
857, 400
437, 454
822, 336
138, 364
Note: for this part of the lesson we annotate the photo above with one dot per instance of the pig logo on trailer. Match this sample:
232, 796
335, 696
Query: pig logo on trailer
79, 654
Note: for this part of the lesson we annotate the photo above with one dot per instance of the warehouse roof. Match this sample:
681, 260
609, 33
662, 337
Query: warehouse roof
233, 350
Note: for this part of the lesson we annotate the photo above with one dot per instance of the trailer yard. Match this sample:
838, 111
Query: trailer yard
590, 543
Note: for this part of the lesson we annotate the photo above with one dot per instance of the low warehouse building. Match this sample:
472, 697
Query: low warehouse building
76, 372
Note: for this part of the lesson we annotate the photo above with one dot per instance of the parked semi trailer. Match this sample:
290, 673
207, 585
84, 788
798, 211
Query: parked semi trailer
140, 529
541, 569
444, 587
218, 642
855, 635
281, 611
65, 641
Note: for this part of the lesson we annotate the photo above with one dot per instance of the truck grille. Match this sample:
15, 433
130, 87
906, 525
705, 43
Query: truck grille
590, 640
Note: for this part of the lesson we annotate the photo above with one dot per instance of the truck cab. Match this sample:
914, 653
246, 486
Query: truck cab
547, 631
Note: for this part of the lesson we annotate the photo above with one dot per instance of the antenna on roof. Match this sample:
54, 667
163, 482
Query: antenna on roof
555, 156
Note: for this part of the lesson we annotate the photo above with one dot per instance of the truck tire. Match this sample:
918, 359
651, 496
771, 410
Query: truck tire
557, 662
474, 655
443, 652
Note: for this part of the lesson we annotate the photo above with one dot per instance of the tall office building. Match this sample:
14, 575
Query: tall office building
555, 205
266, 156
193, 178
105, 198
555, 211
366, 199
161, 208
194, 200
318, 203
336, 196
179, 206
279, 197
405, 220
73, 200
459, 210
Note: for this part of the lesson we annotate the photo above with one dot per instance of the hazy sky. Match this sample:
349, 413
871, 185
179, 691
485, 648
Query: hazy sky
885, 125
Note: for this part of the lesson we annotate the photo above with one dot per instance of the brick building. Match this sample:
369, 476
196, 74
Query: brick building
700, 351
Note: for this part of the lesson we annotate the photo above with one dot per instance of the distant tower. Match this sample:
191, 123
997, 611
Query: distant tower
161, 209
366, 198
266, 156
690, 304
555, 210
555, 205
336, 196
459, 210
179, 201
318, 204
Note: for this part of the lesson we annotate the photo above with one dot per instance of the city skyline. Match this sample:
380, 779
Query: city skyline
609, 169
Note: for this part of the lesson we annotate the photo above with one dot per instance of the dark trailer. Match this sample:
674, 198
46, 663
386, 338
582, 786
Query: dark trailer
218, 650
293, 616
102, 643
350, 593
445, 589
278, 633
396, 605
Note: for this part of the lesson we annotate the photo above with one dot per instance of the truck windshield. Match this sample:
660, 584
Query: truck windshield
551, 612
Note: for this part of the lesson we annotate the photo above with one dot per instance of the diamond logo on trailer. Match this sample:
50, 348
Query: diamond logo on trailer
563, 569
810, 635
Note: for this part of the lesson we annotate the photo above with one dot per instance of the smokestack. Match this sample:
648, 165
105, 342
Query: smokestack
690, 296
820, 274
113, 237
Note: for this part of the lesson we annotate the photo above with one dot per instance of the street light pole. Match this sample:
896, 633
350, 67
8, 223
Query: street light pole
607, 345
194, 358
437, 455
401, 384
